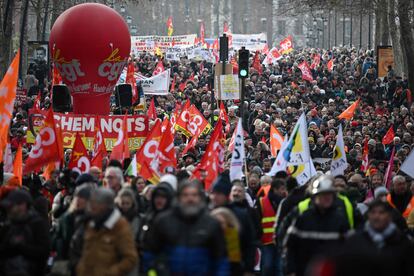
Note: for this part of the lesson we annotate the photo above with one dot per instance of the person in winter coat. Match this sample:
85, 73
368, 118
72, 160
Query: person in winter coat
108, 247
194, 243
125, 201
70, 221
320, 224
161, 200
24, 237
231, 228
378, 249
220, 198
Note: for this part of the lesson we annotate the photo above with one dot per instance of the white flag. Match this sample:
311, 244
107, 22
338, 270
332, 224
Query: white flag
237, 157
339, 163
132, 168
408, 165
8, 159
156, 85
280, 163
303, 173
297, 151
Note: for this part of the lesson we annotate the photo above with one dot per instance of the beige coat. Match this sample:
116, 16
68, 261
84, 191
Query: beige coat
109, 251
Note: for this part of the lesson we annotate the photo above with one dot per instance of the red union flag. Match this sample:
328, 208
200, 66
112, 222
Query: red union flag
147, 164
272, 56
286, 45
48, 146
191, 120
202, 32
316, 61
306, 73
159, 68
79, 161
212, 162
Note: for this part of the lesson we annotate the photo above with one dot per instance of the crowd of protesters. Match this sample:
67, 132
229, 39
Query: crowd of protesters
105, 222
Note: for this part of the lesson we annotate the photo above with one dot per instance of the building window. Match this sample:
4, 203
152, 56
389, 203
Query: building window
281, 27
299, 27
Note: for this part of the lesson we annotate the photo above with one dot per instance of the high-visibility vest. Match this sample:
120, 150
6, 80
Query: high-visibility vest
349, 209
268, 220
407, 210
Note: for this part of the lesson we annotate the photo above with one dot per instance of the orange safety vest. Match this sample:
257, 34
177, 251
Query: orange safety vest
268, 220
408, 209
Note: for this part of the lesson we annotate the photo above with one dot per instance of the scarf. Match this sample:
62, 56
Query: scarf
379, 237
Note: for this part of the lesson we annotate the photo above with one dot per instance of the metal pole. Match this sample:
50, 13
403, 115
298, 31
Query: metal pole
336, 28
329, 30
350, 31
360, 27
343, 29
242, 92
369, 30
323, 33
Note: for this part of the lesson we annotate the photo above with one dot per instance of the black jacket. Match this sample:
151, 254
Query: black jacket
312, 234
24, 246
360, 256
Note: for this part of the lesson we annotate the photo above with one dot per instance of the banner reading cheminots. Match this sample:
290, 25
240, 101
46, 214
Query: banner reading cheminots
137, 126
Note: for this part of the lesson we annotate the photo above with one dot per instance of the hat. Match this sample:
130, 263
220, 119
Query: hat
331, 101
17, 196
170, 179
372, 142
84, 178
380, 191
222, 185
311, 139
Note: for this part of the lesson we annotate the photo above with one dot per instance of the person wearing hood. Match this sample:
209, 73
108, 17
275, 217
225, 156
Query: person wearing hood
68, 224
267, 206
127, 205
161, 200
24, 237
194, 243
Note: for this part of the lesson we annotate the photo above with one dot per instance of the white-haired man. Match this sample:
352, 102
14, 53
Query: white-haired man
114, 179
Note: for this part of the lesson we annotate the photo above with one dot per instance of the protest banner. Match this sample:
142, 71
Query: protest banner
85, 126
229, 87
385, 57
141, 44
21, 96
156, 85
252, 42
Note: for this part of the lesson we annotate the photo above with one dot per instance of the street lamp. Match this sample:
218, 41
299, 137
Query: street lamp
264, 21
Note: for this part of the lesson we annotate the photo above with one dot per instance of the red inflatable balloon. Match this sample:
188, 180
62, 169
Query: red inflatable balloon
90, 44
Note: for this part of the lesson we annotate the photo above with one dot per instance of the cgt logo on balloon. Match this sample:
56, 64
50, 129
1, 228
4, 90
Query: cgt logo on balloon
68, 69
112, 66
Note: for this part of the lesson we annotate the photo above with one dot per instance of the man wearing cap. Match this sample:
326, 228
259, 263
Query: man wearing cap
320, 222
24, 237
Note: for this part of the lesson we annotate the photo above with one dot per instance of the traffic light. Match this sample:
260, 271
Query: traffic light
243, 63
